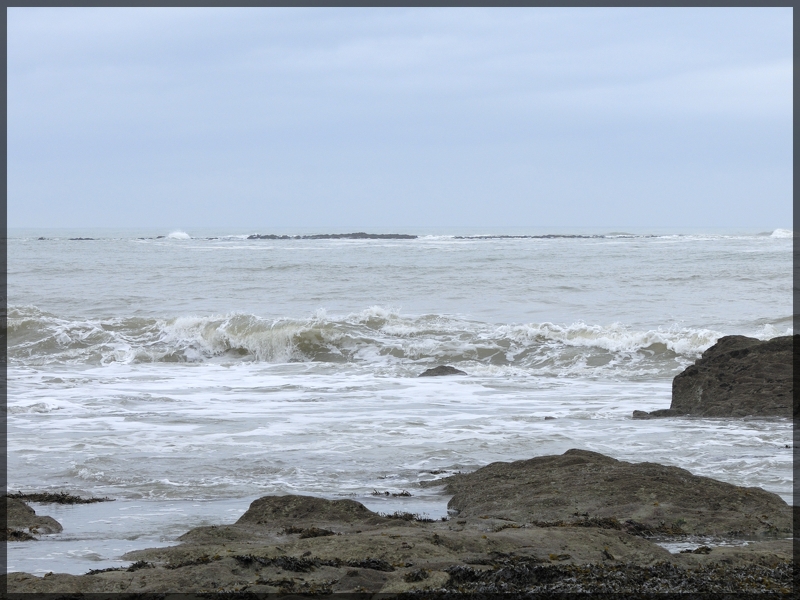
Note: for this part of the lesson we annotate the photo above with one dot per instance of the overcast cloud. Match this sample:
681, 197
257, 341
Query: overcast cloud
385, 118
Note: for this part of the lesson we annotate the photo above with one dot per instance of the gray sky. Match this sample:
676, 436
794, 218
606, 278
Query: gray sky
393, 118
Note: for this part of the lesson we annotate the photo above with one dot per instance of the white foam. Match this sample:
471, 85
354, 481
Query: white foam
617, 337
769, 331
782, 233
179, 235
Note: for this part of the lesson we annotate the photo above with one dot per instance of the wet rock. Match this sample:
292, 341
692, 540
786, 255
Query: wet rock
440, 371
22, 518
738, 377
306, 511
395, 557
380, 562
655, 414
582, 488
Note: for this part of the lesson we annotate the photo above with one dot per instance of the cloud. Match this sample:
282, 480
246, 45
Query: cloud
157, 100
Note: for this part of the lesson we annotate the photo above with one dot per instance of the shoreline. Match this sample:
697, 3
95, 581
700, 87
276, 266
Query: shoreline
299, 544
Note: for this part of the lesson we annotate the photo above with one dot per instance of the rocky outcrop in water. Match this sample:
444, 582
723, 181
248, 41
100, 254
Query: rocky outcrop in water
516, 531
736, 377
441, 371
360, 235
22, 522
657, 414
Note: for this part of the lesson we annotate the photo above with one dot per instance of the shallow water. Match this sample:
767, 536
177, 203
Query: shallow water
188, 376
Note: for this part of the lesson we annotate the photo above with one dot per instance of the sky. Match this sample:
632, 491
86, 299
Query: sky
390, 118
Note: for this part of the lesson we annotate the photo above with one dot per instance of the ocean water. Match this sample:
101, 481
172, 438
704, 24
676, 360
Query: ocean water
185, 374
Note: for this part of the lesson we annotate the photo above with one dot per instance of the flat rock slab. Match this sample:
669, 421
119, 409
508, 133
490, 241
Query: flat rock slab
435, 556
738, 377
553, 523
581, 487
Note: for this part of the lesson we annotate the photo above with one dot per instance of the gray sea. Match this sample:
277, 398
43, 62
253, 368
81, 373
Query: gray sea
186, 373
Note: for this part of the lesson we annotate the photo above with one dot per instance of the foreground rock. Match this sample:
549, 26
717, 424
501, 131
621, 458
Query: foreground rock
310, 546
22, 522
440, 371
582, 487
736, 377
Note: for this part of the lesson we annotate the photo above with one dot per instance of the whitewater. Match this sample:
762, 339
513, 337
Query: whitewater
186, 373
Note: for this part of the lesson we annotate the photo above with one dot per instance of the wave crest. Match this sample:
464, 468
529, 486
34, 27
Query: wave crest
377, 335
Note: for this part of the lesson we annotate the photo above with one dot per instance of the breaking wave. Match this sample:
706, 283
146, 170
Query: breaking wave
376, 335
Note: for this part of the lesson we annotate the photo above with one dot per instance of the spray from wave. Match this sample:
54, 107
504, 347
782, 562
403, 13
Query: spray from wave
179, 235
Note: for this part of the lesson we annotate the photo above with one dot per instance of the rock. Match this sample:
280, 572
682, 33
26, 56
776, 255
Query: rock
738, 377
664, 412
308, 511
584, 488
441, 370
21, 517
371, 554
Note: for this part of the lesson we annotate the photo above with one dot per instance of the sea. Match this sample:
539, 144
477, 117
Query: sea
184, 374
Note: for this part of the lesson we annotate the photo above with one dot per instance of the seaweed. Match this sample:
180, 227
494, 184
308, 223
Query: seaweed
15, 535
55, 498
407, 516
700, 550
402, 494
376, 564
520, 575
416, 575
628, 526
306, 565
310, 532
313, 532
200, 560
139, 564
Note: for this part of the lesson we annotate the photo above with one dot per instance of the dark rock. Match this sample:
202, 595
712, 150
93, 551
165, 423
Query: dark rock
656, 414
20, 517
398, 559
738, 377
288, 511
580, 486
360, 235
441, 370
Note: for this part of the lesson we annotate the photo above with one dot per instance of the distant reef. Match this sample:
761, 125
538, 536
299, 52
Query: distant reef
359, 235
